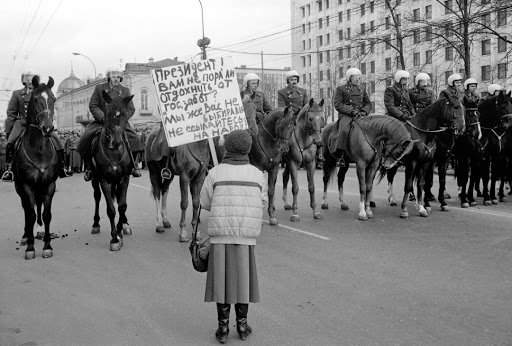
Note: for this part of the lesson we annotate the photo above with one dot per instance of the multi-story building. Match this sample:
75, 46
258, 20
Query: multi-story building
330, 36
271, 80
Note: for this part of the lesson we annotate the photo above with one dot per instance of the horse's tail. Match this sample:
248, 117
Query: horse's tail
39, 219
382, 174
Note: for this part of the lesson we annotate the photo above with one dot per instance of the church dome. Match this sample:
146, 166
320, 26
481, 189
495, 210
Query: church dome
69, 83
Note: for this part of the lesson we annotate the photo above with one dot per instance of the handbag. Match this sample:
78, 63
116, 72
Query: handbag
199, 250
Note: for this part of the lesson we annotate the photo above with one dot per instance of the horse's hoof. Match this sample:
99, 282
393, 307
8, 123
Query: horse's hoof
404, 214
503, 199
423, 212
23, 241
494, 201
95, 230
166, 224
287, 206
127, 230
30, 255
325, 206
472, 204
317, 215
160, 229
444, 207
343, 206
116, 246
447, 195
429, 210
272, 221
183, 238
487, 202
369, 213
362, 217
392, 202
295, 218
372, 204
47, 253
464, 205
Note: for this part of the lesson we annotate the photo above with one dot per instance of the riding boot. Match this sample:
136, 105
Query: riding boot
242, 327
223, 317
9, 152
61, 165
87, 168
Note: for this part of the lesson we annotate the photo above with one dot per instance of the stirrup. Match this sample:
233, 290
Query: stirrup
8, 175
166, 173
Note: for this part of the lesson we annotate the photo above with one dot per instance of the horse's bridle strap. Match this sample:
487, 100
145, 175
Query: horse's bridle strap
441, 129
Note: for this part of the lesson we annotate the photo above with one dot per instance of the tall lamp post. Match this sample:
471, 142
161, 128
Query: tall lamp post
204, 41
90, 60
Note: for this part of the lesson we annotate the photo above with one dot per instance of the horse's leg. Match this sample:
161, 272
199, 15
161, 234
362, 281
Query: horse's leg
286, 178
420, 186
502, 177
28, 203
484, 173
163, 206
272, 177
390, 174
184, 182
97, 198
116, 242
328, 168
342, 172
473, 177
494, 178
156, 191
441, 171
47, 218
195, 192
310, 169
371, 170
462, 179
122, 224
361, 176
293, 167
408, 188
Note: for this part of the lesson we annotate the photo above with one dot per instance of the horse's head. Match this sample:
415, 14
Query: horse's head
313, 118
285, 124
504, 108
453, 115
41, 106
116, 119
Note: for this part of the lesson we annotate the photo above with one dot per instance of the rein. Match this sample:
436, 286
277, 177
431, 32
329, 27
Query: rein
29, 159
493, 131
441, 129
274, 139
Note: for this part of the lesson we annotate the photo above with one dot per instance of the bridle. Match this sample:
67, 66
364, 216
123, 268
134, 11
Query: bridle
275, 139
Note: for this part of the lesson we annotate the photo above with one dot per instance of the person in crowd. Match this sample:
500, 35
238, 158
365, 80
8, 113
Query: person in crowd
396, 98
421, 95
232, 277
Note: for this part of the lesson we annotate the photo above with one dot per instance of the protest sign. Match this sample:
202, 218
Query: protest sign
198, 100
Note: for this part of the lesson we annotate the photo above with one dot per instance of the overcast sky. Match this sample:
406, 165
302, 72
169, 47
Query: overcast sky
40, 35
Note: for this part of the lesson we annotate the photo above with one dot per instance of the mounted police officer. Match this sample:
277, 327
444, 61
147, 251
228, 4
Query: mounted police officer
292, 95
97, 104
493, 89
453, 92
470, 99
421, 96
251, 83
16, 122
396, 98
351, 101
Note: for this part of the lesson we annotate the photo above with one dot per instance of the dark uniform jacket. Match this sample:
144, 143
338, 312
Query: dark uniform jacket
452, 95
397, 102
470, 102
421, 98
295, 97
259, 100
352, 100
97, 103
17, 108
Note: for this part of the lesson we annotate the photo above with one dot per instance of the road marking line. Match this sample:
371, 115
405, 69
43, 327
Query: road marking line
141, 187
293, 229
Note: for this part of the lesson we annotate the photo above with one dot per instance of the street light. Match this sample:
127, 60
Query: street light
204, 41
90, 60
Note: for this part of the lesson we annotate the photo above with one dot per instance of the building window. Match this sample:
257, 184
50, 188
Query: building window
327, 21
372, 26
340, 53
348, 34
320, 23
372, 87
372, 66
448, 6
320, 57
303, 58
388, 23
502, 45
372, 6
321, 93
321, 75
448, 53
303, 28
340, 71
372, 47
319, 5
387, 40
144, 99
303, 11
388, 64
328, 72
340, 35
428, 33
502, 71
448, 29
320, 40
327, 56
348, 14
416, 36
428, 57
363, 28
349, 52
428, 12
304, 78
363, 68
309, 77
486, 72
486, 47
326, 4
309, 60
309, 43
416, 14
340, 2
303, 44
327, 38
308, 10
416, 59
397, 61
502, 17
446, 75
340, 17
363, 9
309, 26
486, 18
362, 48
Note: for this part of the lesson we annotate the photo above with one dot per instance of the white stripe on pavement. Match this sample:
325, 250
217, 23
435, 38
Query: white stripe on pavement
141, 187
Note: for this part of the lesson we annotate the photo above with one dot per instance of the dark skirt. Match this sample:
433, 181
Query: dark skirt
232, 276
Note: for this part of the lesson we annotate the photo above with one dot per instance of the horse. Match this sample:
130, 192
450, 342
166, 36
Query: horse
35, 165
189, 162
425, 128
112, 167
268, 145
372, 142
495, 113
303, 147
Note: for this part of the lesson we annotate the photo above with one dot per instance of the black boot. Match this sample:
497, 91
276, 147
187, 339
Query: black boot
61, 165
9, 152
223, 317
242, 327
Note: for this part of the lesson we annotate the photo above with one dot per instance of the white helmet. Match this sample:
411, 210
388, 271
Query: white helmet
353, 71
401, 74
250, 76
470, 81
453, 78
27, 77
292, 73
114, 71
491, 89
421, 76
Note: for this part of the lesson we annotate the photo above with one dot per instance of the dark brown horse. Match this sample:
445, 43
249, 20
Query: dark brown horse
111, 169
189, 162
35, 166
372, 142
303, 147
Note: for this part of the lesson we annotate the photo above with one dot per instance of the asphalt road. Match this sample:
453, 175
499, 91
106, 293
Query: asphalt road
441, 280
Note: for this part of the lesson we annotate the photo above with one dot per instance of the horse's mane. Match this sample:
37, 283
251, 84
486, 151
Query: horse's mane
383, 124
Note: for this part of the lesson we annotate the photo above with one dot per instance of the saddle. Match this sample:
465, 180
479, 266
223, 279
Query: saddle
339, 138
157, 146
